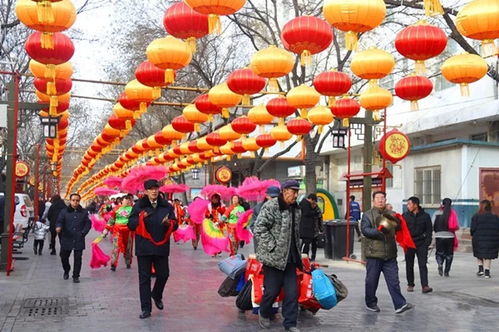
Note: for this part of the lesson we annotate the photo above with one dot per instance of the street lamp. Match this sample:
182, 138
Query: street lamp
49, 124
195, 174
339, 134
53, 167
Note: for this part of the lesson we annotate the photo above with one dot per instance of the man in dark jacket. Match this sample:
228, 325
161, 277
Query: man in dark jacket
420, 227
277, 230
381, 254
153, 220
310, 225
55, 209
72, 226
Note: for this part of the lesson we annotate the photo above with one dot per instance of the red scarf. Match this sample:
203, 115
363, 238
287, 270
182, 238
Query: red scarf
142, 231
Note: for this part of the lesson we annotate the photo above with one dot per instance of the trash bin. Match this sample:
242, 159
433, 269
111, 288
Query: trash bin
336, 234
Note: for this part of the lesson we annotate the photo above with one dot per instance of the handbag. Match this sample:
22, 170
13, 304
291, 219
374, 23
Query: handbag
341, 289
232, 287
321, 240
232, 265
243, 300
324, 290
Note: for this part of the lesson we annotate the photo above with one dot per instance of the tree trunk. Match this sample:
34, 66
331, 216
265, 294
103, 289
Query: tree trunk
311, 160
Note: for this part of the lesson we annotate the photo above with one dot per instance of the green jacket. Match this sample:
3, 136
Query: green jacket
120, 216
377, 244
273, 233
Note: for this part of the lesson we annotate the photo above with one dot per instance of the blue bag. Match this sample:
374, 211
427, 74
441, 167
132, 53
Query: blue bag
324, 291
231, 265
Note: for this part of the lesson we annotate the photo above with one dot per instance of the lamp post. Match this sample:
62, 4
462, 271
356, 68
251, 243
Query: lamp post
339, 133
49, 124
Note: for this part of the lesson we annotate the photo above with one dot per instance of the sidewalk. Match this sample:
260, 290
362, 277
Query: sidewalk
106, 300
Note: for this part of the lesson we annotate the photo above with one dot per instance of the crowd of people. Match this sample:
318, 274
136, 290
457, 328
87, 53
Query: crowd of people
283, 230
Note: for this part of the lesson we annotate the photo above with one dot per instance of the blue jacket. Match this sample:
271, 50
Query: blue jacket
75, 225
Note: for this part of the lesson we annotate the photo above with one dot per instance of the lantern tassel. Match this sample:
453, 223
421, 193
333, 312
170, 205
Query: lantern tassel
214, 25
261, 129
50, 72
136, 115
351, 40
303, 113
54, 102
143, 107
51, 89
465, 89
197, 127
191, 41
44, 12
228, 157
306, 58
169, 76
273, 85
298, 138
246, 101
128, 124
331, 101
489, 48
47, 40
156, 92
420, 67
376, 116
319, 129
225, 113
281, 121
433, 7
345, 122
414, 105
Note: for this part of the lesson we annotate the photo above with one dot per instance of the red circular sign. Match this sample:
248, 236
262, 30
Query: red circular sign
395, 146
223, 174
22, 169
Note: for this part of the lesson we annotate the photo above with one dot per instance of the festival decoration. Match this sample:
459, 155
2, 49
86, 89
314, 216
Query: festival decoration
265, 141
182, 125
345, 109
260, 116
213, 238
183, 22
204, 105
332, 84
170, 54
413, 88
281, 133
305, 36
54, 87
140, 93
246, 83
463, 69
432, 7
39, 70
184, 233
303, 97
243, 125
394, 146
61, 52
375, 98
192, 114
228, 133
105, 191
150, 75
272, 62
320, 116
215, 8
214, 139
221, 96
354, 16
421, 42
299, 127
478, 20
242, 231
280, 107
372, 64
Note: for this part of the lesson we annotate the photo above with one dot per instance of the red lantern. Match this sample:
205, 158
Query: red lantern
332, 84
204, 105
299, 127
413, 88
306, 35
243, 125
182, 125
394, 146
61, 107
150, 75
63, 49
265, 140
245, 82
183, 22
129, 104
158, 137
421, 42
194, 147
280, 108
215, 139
345, 109
237, 147
117, 123
56, 87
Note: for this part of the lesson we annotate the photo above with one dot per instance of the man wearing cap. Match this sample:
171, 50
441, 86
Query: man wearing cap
153, 220
277, 232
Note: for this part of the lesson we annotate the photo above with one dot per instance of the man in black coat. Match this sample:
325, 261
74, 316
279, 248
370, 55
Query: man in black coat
420, 227
72, 226
153, 220
55, 209
310, 225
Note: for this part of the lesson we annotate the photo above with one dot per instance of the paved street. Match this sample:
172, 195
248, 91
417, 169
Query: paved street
107, 301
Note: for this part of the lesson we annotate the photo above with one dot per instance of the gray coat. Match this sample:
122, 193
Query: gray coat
273, 233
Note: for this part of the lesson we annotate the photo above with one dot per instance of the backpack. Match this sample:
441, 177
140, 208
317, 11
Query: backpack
340, 288
243, 300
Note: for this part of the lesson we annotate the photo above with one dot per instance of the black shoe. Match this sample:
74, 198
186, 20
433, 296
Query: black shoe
158, 304
128, 266
373, 308
40, 253
446, 274
36, 252
440, 270
76, 280
404, 308
145, 314
53, 252
66, 276
113, 268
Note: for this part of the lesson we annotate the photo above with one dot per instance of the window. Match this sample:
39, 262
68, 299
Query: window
427, 185
482, 137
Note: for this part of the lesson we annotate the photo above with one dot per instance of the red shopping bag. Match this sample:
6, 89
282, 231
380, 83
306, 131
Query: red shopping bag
253, 267
306, 298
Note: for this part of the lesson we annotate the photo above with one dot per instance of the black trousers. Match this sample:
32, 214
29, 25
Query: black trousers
76, 261
445, 252
53, 236
306, 242
38, 246
422, 254
145, 264
274, 280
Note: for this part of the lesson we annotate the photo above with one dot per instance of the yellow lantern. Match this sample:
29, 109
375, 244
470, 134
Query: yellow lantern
227, 150
281, 133
374, 99
202, 144
303, 97
172, 154
214, 8
184, 148
170, 133
272, 62
320, 116
464, 69
53, 101
140, 93
192, 114
479, 19
372, 64
63, 71
227, 133
260, 116
354, 16
250, 144
170, 54
221, 96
